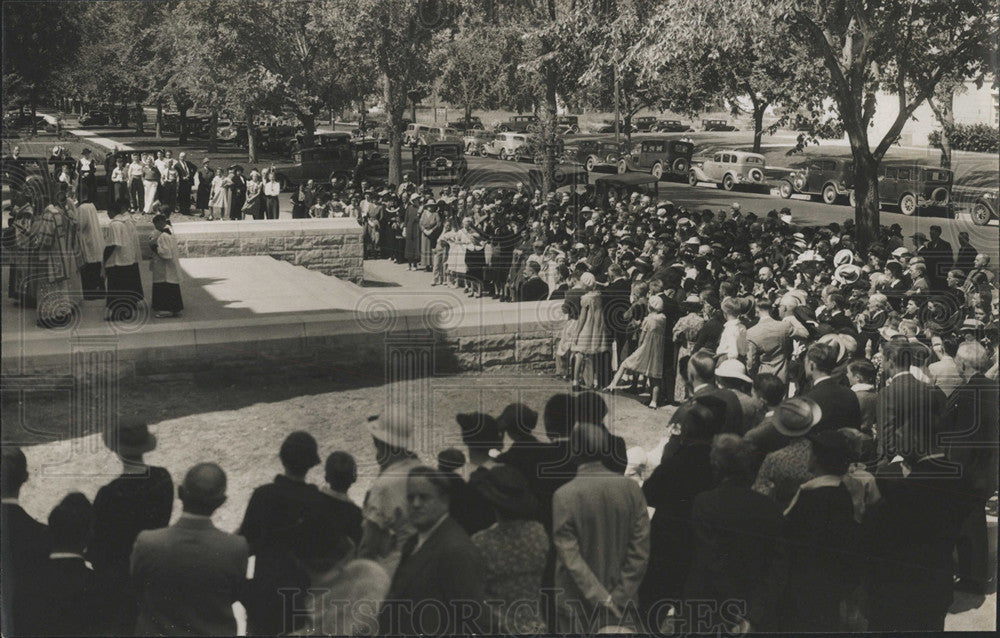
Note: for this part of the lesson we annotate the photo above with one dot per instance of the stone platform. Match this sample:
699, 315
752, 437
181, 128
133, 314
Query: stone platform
248, 315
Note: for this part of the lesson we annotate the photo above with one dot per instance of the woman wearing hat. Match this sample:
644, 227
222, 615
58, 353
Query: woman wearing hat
647, 360
514, 551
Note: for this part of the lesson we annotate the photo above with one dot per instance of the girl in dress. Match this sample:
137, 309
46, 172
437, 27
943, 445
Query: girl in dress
647, 359
253, 208
217, 200
592, 338
167, 300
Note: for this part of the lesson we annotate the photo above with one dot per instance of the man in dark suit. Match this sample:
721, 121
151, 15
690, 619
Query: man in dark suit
615, 299
938, 256
278, 515
341, 474
439, 563
838, 402
908, 409
971, 442
239, 193
185, 181
701, 376
738, 546
533, 287
24, 547
71, 594
187, 576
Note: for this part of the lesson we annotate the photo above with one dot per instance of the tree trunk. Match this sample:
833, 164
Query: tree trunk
548, 122
468, 115
866, 207
394, 121
183, 133
159, 119
309, 124
413, 110
946, 118
213, 132
251, 138
34, 116
758, 125
139, 118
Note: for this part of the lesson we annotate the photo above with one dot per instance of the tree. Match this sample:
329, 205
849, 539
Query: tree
905, 47
471, 61
396, 38
40, 41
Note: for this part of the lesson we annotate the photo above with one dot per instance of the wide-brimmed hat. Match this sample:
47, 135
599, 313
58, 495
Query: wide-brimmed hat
392, 429
902, 250
847, 273
505, 488
971, 325
843, 256
795, 417
733, 369
479, 429
131, 437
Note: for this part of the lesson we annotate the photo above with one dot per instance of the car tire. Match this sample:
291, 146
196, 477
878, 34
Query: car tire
692, 179
908, 204
504, 129
785, 189
680, 165
830, 194
981, 214
657, 171
590, 164
503, 155
622, 167
799, 183
728, 182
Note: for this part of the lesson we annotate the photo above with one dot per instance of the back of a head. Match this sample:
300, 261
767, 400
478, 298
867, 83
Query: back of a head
733, 459
71, 523
898, 354
703, 364
770, 388
341, 471
863, 369
204, 488
558, 415
13, 469
973, 355
823, 356
703, 419
519, 420
589, 407
589, 442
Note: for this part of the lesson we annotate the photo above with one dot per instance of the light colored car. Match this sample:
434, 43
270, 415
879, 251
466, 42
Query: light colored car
728, 169
475, 139
505, 145
414, 132
439, 134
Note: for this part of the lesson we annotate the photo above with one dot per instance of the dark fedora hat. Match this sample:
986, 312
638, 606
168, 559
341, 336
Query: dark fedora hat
507, 490
130, 437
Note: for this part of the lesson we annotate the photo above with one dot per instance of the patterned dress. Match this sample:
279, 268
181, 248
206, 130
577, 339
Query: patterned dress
591, 335
647, 359
514, 554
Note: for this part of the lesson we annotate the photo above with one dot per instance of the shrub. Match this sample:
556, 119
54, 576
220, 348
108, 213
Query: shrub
980, 138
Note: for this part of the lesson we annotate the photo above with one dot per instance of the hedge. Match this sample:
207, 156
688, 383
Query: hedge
980, 138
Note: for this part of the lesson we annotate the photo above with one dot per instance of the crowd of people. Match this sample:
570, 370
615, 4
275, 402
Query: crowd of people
833, 449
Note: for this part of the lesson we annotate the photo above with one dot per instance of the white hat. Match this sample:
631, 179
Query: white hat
732, 369
693, 241
661, 211
787, 218
704, 249
843, 256
392, 429
656, 303
902, 250
847, 273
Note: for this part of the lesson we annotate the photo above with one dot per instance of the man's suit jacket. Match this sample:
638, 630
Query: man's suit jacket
839, 404
615, 301
601, 535
534, 289
187, 577
908, 416
73, 598
448, 570
770, 344
970, 417
24, 546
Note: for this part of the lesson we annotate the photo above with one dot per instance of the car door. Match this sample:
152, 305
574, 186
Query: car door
713, 167
888, 189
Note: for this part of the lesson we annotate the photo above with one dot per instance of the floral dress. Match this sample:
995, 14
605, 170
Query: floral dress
514, 554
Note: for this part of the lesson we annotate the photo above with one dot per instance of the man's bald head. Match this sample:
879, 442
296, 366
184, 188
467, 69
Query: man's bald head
204, 489
972, 356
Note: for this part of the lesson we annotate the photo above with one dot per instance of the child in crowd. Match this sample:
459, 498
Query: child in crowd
167, 301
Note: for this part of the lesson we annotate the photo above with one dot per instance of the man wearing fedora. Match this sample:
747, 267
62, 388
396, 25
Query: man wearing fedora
784, 470
186, 577
386, 527
277, 517
142, 498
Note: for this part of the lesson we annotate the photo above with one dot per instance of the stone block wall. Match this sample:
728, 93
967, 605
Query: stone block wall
330, 246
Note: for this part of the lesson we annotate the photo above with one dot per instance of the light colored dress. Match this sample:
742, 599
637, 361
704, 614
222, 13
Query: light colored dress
591, 334
647, 359
458, 242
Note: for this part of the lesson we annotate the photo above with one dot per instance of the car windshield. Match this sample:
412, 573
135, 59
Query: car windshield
444, 151
937, 176
682, 147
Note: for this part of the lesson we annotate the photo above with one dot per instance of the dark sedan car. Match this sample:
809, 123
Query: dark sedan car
473, 123
672, 126
717, 125
95, 118
441, 162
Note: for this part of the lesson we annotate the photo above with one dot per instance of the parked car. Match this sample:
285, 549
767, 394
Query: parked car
659, 156
230, 131
717, 125
609, 127
462, 125
984, 207
913, 187
728, 169
475, 140
319, 163
277, 138
622, 187
517, 124
646, 123
593, 154
441, 162
568, 124
672, 126
439, 134
829, 177
533, 151
414, 132
335, 138
505, 145
95, 118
